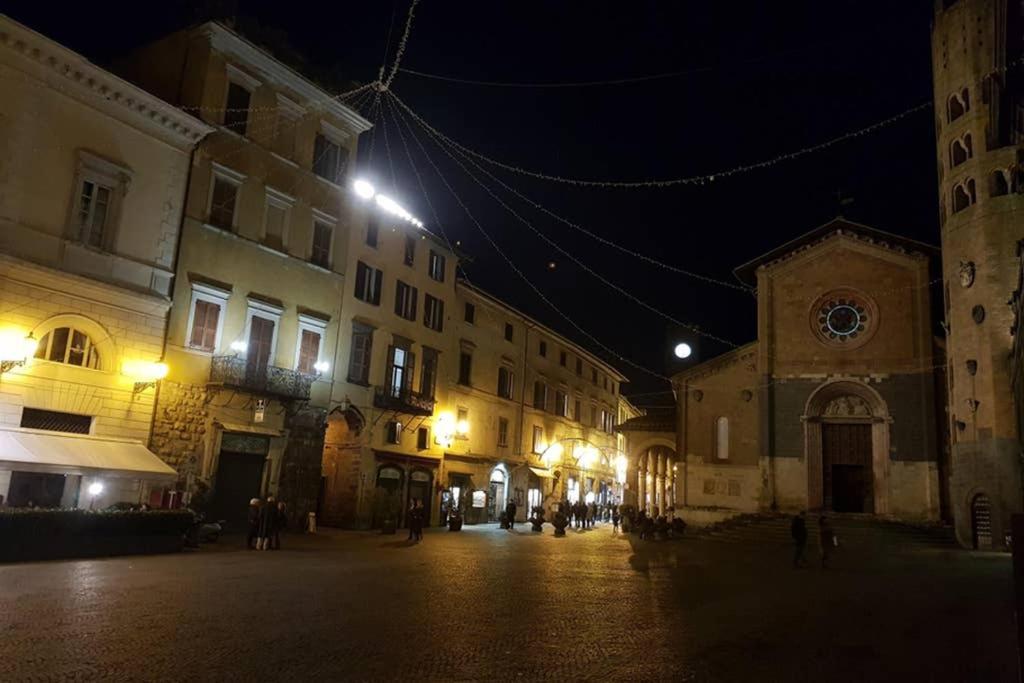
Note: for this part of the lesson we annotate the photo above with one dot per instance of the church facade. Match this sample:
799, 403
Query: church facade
836, 406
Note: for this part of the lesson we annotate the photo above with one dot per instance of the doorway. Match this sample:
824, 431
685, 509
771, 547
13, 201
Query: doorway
419, 489
846, 467
497, 495
388, 495
239, 479
981, 522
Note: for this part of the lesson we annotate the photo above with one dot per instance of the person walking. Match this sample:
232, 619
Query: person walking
281, 523
828, 540
254, 523
510, 513
416, 522
268, 521
409, 519
615, 520
798, 530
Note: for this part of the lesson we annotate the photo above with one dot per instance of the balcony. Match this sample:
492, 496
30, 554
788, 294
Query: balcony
403, 401
234, 372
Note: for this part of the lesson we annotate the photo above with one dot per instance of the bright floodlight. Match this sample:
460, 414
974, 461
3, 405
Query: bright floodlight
396, 209
683, 350
95, 488
238, 346
364, 189
322, 367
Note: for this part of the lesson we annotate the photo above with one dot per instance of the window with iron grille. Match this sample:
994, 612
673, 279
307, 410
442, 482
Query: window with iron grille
53, 421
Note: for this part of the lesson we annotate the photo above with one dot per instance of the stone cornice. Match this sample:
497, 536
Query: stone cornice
230, 43
840, 234
745, 353
100, 88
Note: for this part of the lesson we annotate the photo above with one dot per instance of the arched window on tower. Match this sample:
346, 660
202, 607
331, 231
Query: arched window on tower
958, 104
964, 195
999, 183
722, 438
959, 151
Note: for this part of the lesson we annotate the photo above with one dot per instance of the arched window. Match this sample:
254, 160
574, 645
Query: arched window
958, 104
68, 345
722, 438
999, 183
964, 195
960, 150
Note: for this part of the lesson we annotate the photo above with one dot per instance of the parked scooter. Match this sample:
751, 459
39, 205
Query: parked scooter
202, 531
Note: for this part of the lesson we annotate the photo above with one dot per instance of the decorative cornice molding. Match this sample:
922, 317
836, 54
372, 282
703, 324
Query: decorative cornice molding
98, 85
226, 41
840, 234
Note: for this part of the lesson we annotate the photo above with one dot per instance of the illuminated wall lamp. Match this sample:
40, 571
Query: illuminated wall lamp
15, 351
145, 373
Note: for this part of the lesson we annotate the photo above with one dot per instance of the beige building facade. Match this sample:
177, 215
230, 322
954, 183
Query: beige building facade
93, 174
835, 406
978, 71
261, 273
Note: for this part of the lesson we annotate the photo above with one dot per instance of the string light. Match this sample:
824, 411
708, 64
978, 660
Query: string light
386, 82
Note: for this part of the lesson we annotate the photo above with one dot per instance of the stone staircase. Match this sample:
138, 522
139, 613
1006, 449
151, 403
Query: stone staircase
853, 530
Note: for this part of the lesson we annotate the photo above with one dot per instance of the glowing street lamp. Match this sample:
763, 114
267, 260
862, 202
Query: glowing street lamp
683, 350
15, 350
95, 489
364, 189
145, 373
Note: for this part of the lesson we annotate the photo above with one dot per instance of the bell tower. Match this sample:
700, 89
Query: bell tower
978, 74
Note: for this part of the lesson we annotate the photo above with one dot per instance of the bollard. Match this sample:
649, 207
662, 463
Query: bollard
311, 523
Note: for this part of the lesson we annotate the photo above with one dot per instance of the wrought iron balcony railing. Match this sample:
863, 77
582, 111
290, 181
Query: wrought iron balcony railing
403, 401
235, 372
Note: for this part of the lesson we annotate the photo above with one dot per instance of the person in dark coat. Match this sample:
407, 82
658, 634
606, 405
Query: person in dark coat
417, 517
254, 523
798, 530
615, 520
268, 523
409, 519
510, 513
282, 523
828, 540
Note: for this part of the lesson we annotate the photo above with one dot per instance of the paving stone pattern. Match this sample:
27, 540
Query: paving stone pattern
491, 605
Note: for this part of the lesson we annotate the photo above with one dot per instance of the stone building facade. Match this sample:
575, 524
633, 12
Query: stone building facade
978, 71
261, 273
92, 187
834, 406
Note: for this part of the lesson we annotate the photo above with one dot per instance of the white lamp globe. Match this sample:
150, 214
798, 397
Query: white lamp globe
95, 488
683, 350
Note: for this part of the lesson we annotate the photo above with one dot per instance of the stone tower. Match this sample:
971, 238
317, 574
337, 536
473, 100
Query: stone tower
977, 51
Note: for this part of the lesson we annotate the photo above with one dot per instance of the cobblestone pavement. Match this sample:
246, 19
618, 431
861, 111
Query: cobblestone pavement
486, 604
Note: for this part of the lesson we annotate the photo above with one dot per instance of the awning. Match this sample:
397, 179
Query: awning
249, 429
542, 473
52, 452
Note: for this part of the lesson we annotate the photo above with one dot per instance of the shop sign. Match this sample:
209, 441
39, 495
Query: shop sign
479, 499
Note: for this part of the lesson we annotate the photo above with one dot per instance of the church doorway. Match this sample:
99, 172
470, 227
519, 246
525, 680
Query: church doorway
846, 467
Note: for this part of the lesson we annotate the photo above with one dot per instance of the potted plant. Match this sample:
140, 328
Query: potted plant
537, 520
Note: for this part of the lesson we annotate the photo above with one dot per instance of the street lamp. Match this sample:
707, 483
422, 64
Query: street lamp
15, 350
683, 350
145, 373
95, 489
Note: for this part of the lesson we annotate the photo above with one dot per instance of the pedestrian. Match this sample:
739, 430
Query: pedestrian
828, 540
281, 523
798, 530
268, 520
510, 512
254, 523
418, 514
409, 518
615, 520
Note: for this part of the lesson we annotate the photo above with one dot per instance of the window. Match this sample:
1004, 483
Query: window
262, 320
999, 183
465, 368
593, 415
502, 431
393, 433
368, 283
561, 403
359, 358
508, 331
958, 104
540, 395
605, 381
205, 319
960, 150
275, 218
401, 365
372, 229
433, 313
70, 346
406, 298
410, 250
563, 358
428, 376
579, 367
224, 197
53, 421
311, 333
463, 420
538, 439
236, 114
470, 313
577, 411
323, 236
93, 213
329, 159
543, 349
722, 438
506, 380
436, 266
964, 195
422, 438
593, 375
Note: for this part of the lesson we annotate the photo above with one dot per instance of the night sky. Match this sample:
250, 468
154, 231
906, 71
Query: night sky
763, 80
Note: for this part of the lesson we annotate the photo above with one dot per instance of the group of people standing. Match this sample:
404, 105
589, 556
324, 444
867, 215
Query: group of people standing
583, 515
267, 519
415, 519
826, 537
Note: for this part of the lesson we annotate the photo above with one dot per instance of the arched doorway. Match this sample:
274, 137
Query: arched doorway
420, 489
981, 522
497, 494
388, 494
846, 428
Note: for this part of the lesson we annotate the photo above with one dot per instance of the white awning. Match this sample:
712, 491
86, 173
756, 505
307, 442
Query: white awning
31, 450
542, 473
